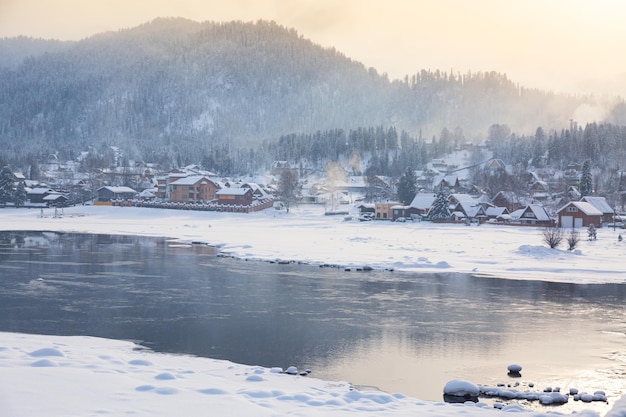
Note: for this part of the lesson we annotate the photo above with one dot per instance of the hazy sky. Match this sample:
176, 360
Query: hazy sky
559, 45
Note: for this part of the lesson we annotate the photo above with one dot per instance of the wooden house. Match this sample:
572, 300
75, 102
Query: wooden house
37, 195
448, 182
578, 214
603, 206
192, 189
109, 193
534, 214
495, 165
539, 190
384, 211
56, 200
420, 205
163, 188
498, 214
234, 196
507, 199
467, 208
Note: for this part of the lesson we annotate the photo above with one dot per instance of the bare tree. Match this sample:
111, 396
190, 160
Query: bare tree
572, 239
552, 236
288, 187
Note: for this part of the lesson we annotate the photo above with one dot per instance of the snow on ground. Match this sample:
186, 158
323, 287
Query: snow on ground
306, 234
62, 376
84, 376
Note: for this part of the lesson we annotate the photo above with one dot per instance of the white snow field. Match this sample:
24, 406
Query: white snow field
305, 234
84, 376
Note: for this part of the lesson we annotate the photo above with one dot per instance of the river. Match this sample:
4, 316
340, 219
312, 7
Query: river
399, 332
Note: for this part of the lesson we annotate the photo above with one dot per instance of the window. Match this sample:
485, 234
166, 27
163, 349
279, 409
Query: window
572, 209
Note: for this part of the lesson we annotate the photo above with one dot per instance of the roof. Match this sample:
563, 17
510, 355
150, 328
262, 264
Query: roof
234, 191
118, 190
471, 208
510, 196
461, 198
53, 197
41, 190
496, 211
191, 180
583, 206
600, 203
146, 194
539, 211
423, 200
450, 180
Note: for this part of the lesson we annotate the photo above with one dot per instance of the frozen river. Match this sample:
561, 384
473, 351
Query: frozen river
399, 332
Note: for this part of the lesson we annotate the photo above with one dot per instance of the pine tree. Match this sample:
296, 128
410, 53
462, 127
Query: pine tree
586, 182
407, 186
20, 195
591, 232
440, 209
6, 185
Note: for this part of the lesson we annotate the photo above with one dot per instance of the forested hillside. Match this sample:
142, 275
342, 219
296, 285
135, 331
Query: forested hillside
180, 92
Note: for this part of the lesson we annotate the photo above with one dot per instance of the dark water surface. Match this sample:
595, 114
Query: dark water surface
400, 332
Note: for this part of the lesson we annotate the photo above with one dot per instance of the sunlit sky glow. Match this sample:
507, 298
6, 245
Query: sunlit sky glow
559, 45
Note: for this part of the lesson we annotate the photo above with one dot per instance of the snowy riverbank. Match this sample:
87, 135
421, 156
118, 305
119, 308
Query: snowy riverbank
81, 376
306, 234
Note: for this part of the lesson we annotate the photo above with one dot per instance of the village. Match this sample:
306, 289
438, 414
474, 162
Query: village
356, 197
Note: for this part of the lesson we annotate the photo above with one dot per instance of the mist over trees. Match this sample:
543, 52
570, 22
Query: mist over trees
175, 92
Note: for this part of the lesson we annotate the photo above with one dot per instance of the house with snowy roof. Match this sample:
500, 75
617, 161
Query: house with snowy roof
417, 209
468, 209
56, 200
603, 206
449, 182
539, 190
192, 189
457, 198
108, 193
499, 214
495, 165
257, 190
164, 181
578, 214
534, 214
37, 195
420, 205
508, 199
234, 196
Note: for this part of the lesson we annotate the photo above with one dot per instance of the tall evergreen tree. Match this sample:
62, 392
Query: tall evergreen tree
407, 186
20, 195
586, 181
440, 209
6, 185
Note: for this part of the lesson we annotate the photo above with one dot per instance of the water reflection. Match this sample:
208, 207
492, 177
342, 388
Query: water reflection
408, 333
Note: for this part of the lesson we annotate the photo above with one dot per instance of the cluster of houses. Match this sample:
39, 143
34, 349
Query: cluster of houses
193, 188
469, 209
190, 190
183, 189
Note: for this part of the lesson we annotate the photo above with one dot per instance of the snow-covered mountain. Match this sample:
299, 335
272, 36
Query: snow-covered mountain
178, 87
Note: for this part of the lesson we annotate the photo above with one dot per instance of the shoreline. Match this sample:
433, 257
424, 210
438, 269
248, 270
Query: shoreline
307, 236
